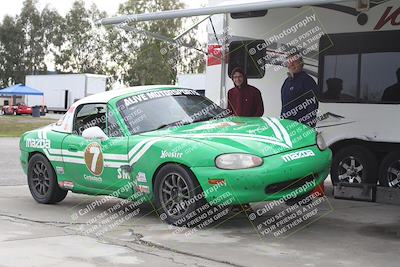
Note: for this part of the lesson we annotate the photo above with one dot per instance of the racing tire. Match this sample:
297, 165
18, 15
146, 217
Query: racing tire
354, 164
42, 181
389, 171
175, 188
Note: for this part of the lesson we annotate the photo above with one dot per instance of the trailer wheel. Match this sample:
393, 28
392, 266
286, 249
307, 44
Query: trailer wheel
389, 171
354, 164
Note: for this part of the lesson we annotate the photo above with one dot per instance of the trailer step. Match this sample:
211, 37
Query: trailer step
388, 195
361, 192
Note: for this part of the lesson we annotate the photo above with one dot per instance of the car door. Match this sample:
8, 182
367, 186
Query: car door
95, 164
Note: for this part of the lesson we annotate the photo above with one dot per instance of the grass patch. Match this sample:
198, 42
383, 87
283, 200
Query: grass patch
15, 126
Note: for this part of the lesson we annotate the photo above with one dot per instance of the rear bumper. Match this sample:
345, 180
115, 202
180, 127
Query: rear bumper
24, 161
275, 179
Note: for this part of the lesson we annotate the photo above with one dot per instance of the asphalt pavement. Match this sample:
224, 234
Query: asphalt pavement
10, 168
94, 231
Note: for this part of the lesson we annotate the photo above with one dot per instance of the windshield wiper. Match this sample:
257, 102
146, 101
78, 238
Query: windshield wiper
203, 119
182, 122
173, 123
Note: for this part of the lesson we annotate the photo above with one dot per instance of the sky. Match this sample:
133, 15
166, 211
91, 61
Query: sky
13, 7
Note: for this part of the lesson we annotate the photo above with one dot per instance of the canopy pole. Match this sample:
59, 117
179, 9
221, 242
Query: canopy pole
12, 103
223, 9
43, 103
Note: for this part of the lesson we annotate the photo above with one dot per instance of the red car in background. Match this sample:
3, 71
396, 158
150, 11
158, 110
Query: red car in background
18, 109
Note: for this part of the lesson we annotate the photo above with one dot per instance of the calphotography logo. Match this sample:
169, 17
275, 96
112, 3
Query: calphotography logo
298, 155
94, 159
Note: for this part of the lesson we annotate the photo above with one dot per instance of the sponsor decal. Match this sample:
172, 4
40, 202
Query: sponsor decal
93, 178
60, 170
38, 143
94, 159
141, 177
298, 155
66, 184
152, 95
123, 174
166, 154
142, 188
388, 16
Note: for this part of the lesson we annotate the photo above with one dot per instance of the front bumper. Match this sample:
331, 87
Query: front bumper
275, 179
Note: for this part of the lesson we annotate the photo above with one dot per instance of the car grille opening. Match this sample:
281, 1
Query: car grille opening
289, 185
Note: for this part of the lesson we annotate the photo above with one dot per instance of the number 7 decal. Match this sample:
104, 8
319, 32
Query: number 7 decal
94, 159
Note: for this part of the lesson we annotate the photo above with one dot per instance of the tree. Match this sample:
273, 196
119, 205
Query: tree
146, 60
11, 52
34, 45
25, 42
82, 47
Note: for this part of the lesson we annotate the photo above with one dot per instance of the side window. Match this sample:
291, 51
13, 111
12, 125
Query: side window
249, 55
380, 77
90, 115
113, 129
340, 78
362, 78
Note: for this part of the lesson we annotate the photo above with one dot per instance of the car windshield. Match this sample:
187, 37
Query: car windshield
156, 110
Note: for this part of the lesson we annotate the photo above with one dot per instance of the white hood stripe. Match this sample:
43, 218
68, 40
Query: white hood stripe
286, 136
273, 127
252, 138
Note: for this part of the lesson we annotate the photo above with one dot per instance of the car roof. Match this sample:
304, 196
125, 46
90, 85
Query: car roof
105, 97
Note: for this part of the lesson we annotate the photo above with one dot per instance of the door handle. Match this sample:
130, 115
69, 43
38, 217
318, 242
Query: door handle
72, 149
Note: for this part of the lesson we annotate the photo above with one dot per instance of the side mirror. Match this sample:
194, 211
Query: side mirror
94, 133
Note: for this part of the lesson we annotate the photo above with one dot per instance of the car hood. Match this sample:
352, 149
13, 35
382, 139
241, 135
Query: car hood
259, 136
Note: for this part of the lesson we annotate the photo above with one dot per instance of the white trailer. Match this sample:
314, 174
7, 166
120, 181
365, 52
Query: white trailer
193, 81
357, 49
355, 43
62, 90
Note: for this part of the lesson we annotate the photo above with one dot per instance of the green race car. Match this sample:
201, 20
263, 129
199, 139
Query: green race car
173, 146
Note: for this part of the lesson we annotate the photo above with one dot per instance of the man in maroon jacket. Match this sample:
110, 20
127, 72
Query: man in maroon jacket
243, 99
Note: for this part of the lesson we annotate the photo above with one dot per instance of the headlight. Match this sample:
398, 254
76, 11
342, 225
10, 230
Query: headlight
321, 142
237, 161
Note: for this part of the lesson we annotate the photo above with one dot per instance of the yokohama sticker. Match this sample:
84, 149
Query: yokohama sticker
143, 189
66, 184
141, 177
94, 159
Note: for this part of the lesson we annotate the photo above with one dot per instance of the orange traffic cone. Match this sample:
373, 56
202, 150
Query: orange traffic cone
319, 191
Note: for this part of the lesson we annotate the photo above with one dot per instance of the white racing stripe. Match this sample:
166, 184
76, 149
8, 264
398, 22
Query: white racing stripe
144, 150
260, 137
137, 147
273, 127
268, 140
77, 157
46, 152
284, 132
136, 153
74, 160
